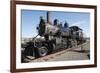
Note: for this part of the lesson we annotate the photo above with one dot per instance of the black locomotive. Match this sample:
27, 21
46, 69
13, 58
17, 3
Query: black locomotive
55, 37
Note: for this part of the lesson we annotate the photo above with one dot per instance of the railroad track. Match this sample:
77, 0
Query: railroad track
84, 48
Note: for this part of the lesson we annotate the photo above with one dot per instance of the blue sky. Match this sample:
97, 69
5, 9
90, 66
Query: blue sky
30, 20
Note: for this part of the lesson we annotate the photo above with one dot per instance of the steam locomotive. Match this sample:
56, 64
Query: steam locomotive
55, 37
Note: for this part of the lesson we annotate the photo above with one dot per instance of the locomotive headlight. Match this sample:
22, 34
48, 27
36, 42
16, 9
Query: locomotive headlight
41, 29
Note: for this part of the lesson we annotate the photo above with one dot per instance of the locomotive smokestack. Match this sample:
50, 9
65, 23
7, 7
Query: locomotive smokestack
48, 17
